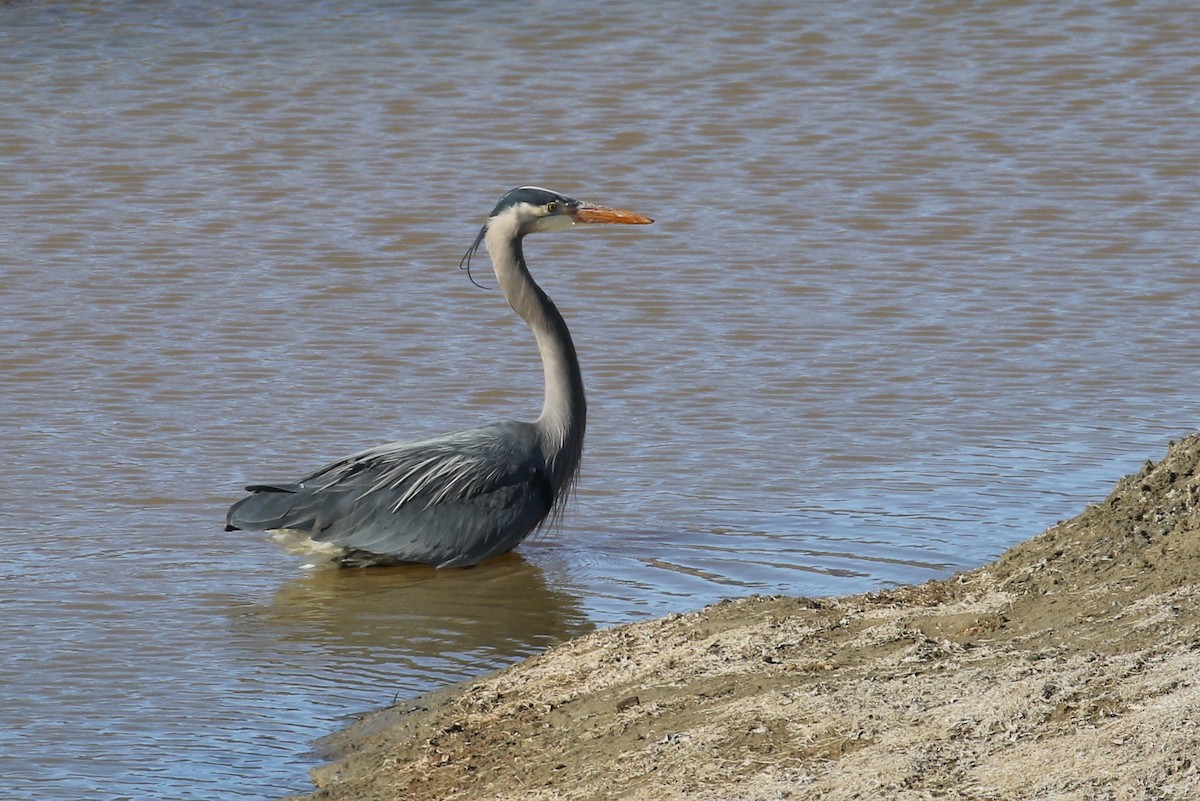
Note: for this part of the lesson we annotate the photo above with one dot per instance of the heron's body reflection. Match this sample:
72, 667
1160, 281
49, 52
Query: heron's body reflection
409, 629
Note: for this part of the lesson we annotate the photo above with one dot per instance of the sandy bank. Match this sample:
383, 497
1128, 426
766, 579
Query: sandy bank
1067, 669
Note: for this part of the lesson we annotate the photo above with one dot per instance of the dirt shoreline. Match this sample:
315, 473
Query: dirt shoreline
1067, 669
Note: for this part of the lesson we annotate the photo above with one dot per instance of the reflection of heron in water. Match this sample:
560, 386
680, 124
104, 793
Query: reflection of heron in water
457, 499
420, 627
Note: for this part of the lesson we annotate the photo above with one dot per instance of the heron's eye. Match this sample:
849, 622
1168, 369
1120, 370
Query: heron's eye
552, 207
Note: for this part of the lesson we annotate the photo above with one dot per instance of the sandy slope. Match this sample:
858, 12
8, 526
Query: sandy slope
1067, 669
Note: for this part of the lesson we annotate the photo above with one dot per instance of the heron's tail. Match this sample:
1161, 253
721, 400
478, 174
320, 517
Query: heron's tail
272, 506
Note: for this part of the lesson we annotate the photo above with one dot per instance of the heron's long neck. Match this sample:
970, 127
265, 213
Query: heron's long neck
564, 409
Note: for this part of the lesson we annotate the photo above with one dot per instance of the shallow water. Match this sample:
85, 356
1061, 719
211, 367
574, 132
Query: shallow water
923, 282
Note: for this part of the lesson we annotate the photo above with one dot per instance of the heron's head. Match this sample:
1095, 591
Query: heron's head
532, 209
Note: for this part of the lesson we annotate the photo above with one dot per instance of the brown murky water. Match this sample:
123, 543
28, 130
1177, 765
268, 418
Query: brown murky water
924, 280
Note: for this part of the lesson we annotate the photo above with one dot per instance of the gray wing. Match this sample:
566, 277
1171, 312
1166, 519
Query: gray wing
452, 500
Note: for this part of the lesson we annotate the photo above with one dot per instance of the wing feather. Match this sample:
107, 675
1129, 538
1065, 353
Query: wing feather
451, 500
454, 467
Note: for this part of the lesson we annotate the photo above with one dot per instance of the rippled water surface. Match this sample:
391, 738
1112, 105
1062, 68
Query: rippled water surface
924, 281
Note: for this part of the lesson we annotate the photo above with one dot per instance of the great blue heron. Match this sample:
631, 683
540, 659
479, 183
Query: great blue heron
460, 498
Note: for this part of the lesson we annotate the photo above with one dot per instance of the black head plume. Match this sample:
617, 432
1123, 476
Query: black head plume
465, 262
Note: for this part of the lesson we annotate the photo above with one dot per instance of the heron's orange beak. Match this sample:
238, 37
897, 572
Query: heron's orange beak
587, 213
